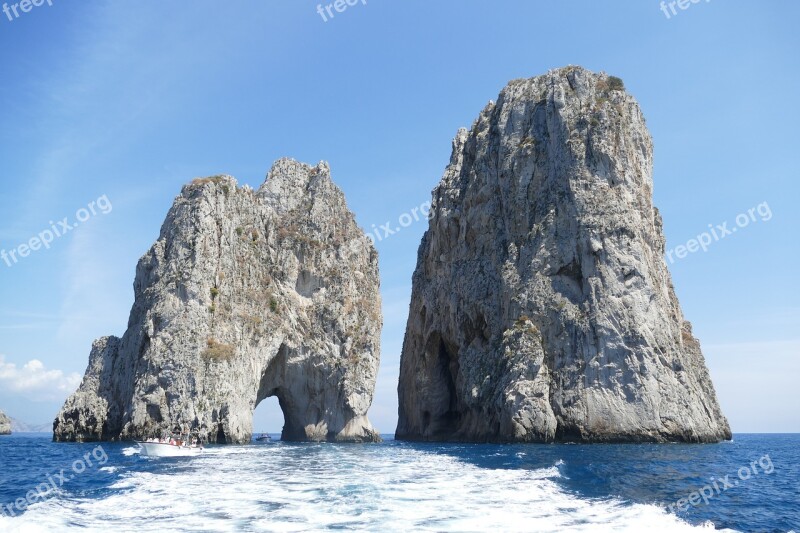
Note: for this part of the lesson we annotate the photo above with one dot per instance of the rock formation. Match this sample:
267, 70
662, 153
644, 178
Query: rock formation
245, 295
542, 308
5, 424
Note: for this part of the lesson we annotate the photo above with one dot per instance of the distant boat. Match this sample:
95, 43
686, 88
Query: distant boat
264, 437
175, 446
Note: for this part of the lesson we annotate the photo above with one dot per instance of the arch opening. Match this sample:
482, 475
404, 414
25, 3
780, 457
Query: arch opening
268, 418
273, 385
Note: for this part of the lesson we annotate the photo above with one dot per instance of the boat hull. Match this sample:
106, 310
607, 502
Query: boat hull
161, 449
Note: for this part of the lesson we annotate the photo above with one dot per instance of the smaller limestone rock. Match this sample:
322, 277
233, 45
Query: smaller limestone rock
244, 296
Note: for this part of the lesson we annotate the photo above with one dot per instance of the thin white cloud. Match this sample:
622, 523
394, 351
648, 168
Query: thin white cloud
35, 382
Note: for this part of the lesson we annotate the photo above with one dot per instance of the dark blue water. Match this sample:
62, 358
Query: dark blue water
750, 484
664, 474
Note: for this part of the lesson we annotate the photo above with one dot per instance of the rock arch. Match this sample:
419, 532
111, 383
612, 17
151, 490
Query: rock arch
245, 295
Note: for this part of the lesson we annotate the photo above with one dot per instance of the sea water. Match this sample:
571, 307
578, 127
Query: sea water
397, 486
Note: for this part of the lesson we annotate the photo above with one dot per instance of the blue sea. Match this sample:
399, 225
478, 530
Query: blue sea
749, 484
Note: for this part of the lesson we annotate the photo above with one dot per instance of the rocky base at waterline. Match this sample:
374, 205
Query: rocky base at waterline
246, 295
542, 309
5, 424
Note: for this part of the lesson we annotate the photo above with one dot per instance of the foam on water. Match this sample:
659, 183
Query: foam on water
133, 450
309, 488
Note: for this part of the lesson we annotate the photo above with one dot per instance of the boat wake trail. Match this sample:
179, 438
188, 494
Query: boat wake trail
319, 487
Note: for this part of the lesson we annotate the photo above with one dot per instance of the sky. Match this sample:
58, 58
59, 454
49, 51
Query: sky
107, 108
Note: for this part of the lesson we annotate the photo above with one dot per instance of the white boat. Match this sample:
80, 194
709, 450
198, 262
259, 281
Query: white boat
169, 448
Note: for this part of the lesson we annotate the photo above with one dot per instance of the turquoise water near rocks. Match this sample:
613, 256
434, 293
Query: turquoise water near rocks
396, 486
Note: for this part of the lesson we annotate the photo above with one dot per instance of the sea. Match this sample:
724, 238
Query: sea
749, 484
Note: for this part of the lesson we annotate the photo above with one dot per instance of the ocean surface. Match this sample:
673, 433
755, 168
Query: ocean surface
750, 484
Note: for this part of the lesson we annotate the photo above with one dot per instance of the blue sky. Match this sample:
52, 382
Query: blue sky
131, 100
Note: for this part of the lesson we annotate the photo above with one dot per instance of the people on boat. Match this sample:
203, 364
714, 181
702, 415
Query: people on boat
189, 441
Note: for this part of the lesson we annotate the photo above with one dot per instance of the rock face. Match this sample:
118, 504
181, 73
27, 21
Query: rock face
245, 295
542, 308
5, 424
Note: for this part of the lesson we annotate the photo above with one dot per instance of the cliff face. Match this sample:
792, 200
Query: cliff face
5, 424
245, 295
542, 308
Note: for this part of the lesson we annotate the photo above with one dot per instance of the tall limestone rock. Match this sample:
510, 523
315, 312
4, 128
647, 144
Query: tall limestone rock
245, 295
542, 308
5, 424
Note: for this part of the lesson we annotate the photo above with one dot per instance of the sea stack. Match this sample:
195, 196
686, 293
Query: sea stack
542, 308
5, 424
245, 295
